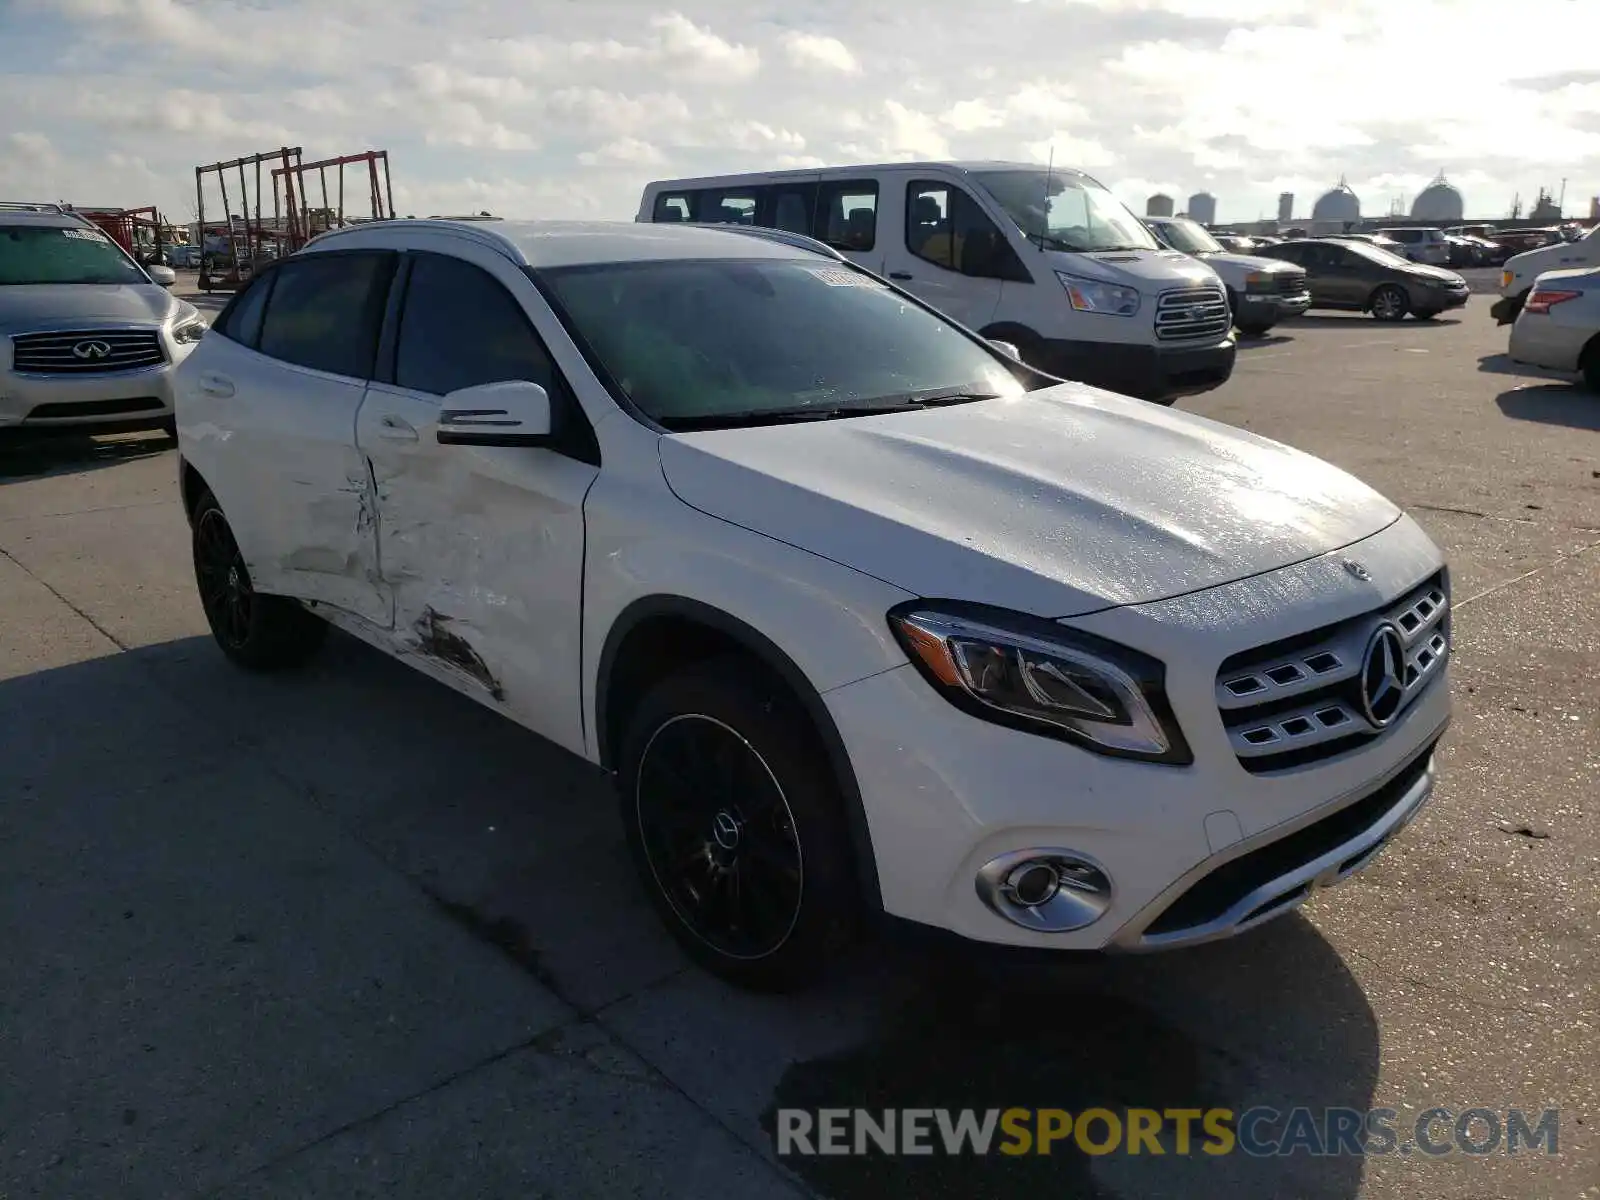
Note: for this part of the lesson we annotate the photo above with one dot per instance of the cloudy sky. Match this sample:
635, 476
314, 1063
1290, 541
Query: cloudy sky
567, 107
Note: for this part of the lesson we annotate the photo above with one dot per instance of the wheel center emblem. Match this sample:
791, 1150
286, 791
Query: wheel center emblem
725, 829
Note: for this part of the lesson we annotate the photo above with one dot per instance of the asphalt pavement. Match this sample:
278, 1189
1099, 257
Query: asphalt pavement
346, 934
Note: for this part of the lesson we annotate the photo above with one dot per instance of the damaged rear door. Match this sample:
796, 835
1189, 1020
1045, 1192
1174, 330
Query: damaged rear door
273, 407
481, 546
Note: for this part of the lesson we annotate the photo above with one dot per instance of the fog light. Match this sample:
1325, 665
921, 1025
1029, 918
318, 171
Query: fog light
1045, 890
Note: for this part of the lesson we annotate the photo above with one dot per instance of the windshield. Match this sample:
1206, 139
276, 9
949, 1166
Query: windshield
1378, 254
62, 254
699, 344
1079, 215
1187, 236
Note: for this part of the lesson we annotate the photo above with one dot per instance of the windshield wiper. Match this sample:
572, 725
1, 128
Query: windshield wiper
749, 418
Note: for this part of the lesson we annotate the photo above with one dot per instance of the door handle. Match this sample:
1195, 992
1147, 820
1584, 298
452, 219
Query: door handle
393, 429
899, 274
216, 385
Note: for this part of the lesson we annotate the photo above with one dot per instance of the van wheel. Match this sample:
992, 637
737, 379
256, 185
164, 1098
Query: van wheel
1591, 366
259, 633
1254, 330
736, 828
1389, 303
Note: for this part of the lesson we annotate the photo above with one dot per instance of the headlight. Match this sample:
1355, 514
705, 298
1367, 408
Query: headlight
1041, 677
1089, 295
1260, 281
189, 331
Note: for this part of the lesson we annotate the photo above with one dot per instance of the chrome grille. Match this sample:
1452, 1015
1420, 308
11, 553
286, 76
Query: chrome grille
86, 351
1192, 313
1291, 283
1299, 700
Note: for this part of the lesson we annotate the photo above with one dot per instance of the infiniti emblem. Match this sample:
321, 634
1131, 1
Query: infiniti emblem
1356, 569
725, 829
1383, 685
88, 350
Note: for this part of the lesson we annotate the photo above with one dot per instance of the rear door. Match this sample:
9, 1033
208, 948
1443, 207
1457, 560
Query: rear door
481, 546
269, 410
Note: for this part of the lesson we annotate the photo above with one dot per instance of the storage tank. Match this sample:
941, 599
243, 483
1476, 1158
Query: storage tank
1439, 201
1159, 205
1337, 204
1203, 208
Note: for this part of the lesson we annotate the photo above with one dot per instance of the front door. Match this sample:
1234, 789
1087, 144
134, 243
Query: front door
941, 249
281, 378
482, 546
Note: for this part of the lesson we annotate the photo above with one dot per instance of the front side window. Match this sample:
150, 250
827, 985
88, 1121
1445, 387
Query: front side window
460, 328
946, 227
708, 343
62, 254
1375, 254
325, 311
241, 320
1066, 212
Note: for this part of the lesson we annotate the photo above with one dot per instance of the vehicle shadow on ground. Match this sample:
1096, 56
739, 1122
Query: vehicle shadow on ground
519, 844
1347, 318
1247, 342
1504, 364
29, 454
1552, 404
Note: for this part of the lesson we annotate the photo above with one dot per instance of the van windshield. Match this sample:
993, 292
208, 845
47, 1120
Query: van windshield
1079, 215
62, 254
721, 343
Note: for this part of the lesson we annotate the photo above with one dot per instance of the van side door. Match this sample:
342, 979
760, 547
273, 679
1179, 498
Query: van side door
945, 250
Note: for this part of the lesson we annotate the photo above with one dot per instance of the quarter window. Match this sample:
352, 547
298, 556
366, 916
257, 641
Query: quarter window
325, 311
241, 320
461, 328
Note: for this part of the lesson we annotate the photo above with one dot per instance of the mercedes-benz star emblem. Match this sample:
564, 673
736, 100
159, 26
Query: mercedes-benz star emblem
1383, 684
725, 829
91, 350
1356, 569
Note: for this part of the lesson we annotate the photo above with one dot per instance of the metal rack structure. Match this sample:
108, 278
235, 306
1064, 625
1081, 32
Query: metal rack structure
305, 222
249, 238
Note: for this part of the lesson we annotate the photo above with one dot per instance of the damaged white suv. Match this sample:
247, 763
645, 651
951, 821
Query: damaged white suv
863, 615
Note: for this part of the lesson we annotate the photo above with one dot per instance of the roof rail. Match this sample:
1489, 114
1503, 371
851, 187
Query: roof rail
798, 240
42, 206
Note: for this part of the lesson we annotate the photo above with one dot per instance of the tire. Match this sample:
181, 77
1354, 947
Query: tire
1427, 314
1590, 366
1389, 302
1255, 330
169, 426
721, 786
259, 633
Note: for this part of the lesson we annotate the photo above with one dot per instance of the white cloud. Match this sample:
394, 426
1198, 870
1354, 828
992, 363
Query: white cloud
815, 50
31, 149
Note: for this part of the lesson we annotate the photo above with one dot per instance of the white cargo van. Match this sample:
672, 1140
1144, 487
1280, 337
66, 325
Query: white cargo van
1520, 270
1045, 259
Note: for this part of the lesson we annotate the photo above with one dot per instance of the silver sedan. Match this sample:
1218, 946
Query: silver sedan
1559, 326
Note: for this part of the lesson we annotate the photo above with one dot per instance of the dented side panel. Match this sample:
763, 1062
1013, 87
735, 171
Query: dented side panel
482, 549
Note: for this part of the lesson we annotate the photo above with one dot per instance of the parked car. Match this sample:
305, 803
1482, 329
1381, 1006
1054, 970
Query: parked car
1520, 270
1236, 243
1463, 252
859, 612
1559, 326
1353, 275
185, 258
1420, 245
1047, 260
87, 335
1261, 291
1490, 252
1371, 239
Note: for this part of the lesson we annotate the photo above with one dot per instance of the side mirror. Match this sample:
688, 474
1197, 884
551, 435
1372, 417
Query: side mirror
513, 413
1009, 349
165, 276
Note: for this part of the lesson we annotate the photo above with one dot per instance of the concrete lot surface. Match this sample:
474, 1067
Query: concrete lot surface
346, 934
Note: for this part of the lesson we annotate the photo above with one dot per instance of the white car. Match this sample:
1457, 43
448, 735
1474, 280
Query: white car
861, 613
1559, 326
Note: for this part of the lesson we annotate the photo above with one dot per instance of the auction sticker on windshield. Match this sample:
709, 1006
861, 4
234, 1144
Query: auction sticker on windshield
843, 277
83, 235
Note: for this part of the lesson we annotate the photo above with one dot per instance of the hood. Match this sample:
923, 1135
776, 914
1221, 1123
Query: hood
1425, 270
1150, 271
1056, 503
1250, 262
67, 305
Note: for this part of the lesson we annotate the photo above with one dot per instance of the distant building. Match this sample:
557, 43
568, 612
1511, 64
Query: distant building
1159, 205
1545, 208
1285, 207
1439, 201
1203, 208
1594, 208
1337, 204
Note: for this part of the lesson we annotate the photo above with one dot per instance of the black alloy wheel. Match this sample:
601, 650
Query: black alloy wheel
719, 836
225, 591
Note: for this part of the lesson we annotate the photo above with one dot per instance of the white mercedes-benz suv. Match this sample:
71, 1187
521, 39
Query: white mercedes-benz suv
863, 615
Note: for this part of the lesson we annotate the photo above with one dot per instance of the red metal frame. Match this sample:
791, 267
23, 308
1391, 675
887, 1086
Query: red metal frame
255, 233
304, 222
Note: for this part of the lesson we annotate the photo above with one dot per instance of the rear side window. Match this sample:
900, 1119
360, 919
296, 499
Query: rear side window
671, 207
461, 328
736, 206
847, 214
241, 320
325, 311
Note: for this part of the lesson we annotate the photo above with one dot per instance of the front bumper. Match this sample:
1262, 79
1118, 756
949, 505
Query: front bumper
119, 398
1257, 309
1192, 853
1439, 299
1147, 372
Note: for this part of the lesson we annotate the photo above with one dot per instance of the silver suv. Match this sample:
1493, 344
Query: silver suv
87, 335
